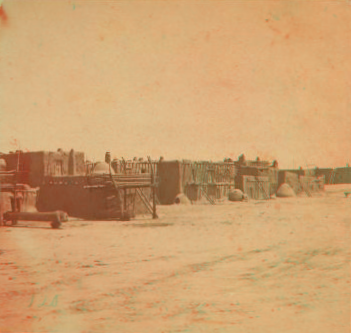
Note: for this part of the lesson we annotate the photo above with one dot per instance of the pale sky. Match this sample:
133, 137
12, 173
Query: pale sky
181, 79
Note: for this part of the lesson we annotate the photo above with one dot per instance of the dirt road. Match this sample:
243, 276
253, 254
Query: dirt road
260, 266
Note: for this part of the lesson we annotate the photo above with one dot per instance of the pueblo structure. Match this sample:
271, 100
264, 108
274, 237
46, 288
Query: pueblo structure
122, 189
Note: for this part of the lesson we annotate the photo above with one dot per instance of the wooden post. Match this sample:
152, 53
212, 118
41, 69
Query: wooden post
125, 201
15, 207
153, 182
154, 214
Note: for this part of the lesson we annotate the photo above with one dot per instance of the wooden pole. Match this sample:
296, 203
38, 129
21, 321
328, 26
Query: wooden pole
144, 199
125, 201
154, 214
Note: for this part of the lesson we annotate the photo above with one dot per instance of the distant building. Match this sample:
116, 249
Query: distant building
35, 166
341, 176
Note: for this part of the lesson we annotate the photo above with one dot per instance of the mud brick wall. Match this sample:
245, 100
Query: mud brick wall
342, 175
35, 166
290, 178
170, 181
257, 188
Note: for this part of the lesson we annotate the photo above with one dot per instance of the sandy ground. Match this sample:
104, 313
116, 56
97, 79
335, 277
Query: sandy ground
262, 266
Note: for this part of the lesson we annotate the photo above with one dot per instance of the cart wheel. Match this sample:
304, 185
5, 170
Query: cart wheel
55, 224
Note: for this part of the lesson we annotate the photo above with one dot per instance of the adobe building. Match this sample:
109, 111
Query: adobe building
342, 175
258, 179
65, 184
200, 179
35, 166
326, 172
302, 181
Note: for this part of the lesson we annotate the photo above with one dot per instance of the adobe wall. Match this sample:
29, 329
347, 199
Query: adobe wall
170, 181
37, 165
342, 175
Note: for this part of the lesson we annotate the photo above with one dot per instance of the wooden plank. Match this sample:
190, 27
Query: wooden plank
145, 201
